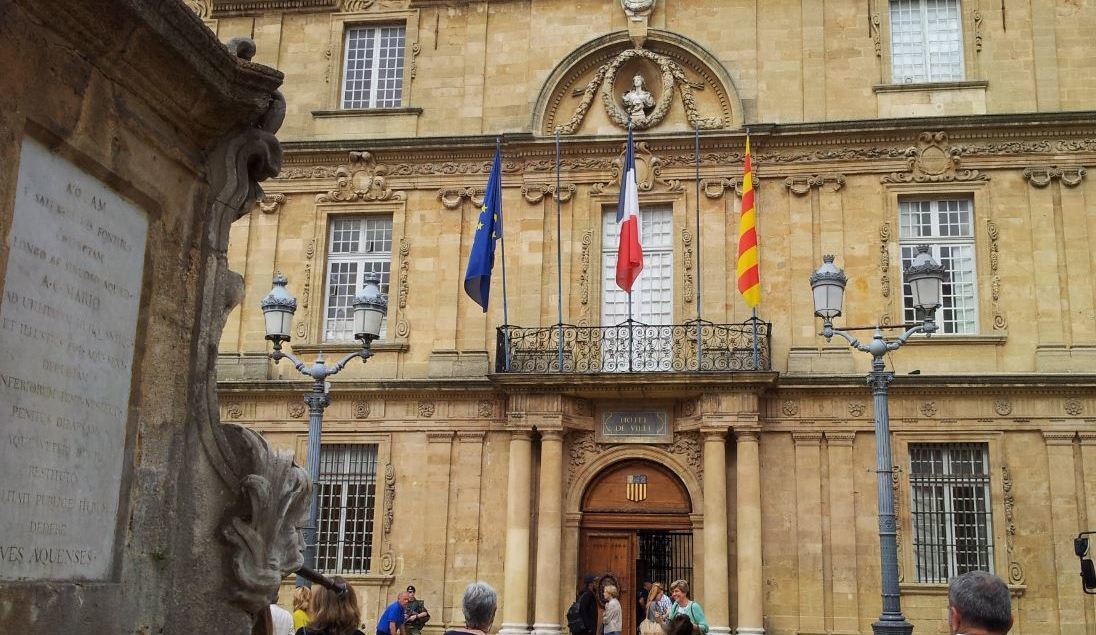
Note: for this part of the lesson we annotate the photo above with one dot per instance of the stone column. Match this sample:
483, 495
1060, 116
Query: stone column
515, 593
750, 583
549, 535
716, 600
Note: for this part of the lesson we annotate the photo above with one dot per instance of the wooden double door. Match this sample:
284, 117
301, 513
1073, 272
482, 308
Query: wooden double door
629, 534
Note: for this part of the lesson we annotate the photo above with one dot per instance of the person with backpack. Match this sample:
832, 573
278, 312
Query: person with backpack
582, 615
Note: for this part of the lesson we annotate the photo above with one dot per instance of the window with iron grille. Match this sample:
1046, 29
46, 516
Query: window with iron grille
926, 41
373, 66
952, 521
356, 246
347, 492
947, 226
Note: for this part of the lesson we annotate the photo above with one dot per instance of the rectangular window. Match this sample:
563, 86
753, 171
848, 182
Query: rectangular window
347, 494
636, 348
373, 66
952, 521
947, 226
926, 41
357, 245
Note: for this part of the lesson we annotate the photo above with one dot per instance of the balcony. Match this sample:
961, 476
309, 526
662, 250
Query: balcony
634, 347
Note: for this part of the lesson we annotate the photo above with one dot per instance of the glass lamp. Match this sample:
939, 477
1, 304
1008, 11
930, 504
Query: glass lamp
278, 309
926, 278
370, 306
828, 284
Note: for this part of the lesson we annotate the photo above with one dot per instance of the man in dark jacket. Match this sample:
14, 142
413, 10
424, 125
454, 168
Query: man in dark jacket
587, 605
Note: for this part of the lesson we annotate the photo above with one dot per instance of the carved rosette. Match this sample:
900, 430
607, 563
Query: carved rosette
426, 409
1073, 407
1042, 176
789, 407
295, 409
362, 179
934, 160
928, 408
485, 409
1000, 323
687, 256
671, 75
361, 410
1003, 407
856, 408
884, 259
1015, 570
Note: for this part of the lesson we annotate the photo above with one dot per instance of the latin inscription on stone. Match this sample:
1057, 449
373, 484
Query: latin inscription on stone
68, 319
634, 426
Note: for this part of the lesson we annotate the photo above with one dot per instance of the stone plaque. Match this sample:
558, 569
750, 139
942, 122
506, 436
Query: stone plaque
634, 426
68, 319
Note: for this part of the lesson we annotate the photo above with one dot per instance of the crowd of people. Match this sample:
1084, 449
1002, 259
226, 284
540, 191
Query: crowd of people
978, 604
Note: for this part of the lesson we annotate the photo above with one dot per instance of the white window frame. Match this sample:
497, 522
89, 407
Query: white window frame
337, 320
345, 477
929, 70
652, 295
940, 242
948, 481
378, 84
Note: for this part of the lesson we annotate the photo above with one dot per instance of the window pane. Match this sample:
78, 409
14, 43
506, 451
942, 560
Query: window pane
947, 226
926, 41
359, 245
347, 487
373, 67
951, 515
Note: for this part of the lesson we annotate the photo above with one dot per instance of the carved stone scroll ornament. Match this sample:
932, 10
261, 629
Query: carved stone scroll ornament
201, 8
1042, 176
388, 559
363, 179
270, 203
1000, 322
1015, 570
687, 256
648, 172
876, 37
670, 75
261, 526
801, 185
934, 160
584, 276
451, 197
536, 192
884, 259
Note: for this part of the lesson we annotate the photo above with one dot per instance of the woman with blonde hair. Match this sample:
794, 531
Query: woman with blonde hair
658, 609
682, 605
302, 596
611, 619
334, 611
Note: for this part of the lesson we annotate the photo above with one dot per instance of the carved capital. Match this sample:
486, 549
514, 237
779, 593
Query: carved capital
436, 436
840, 438
1059, 437
807, 438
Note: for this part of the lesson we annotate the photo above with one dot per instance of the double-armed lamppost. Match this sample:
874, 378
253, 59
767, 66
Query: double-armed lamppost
925, 277
370, 306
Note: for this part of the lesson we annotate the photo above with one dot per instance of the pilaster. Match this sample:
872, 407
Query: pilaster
515, 600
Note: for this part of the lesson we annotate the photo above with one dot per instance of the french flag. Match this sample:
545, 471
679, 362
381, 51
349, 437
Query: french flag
629, 253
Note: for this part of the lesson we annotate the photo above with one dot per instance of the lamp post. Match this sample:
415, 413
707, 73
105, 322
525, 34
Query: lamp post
925, 277
370, 306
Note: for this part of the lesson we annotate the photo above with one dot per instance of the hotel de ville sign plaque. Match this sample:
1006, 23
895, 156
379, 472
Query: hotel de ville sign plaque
628, 425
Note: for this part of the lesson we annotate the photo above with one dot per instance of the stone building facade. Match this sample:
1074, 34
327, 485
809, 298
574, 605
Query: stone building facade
874, 126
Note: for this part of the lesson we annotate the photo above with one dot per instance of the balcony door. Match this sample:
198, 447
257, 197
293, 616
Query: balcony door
640, 345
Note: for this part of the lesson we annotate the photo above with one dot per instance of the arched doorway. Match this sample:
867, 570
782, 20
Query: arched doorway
635, 526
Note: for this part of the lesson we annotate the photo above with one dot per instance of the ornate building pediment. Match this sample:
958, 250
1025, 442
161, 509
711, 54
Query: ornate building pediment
605, 85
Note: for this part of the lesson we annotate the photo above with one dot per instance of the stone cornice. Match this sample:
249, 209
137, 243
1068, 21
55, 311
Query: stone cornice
666, 385
229, 8
988, 383
462, 389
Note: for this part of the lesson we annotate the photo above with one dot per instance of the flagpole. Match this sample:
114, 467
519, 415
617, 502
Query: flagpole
502, 240
699, 268
559, 259
623, 175
753, 185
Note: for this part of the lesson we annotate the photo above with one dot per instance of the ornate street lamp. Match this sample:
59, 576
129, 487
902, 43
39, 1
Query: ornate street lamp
370, 306
925, 277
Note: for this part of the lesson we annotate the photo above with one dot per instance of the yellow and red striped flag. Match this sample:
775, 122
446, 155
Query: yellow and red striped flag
749, 277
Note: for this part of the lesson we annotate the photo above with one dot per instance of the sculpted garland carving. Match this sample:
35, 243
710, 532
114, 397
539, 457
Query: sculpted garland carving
687, 255
451, 197
1042, 176
933, 160
270, 203
388, 559
884, 259
671, 75
1000, 323
200, 8
403, 328
536, 192
687, 446
363, 179
584, 276
714, 188
801, 185
1015, 570
977, 30
876, 36
583, 449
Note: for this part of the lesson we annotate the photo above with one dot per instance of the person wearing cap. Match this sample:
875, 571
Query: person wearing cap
415, 613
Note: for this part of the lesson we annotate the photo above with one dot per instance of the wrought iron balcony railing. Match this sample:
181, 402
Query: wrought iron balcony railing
635, 347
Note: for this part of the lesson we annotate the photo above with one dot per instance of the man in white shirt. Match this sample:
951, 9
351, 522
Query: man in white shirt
979, 604
282, 620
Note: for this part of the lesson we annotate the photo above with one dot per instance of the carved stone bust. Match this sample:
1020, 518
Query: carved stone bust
638, 100
638, 8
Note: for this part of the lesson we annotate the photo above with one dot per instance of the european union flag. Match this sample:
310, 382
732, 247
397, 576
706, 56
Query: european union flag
477, 279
